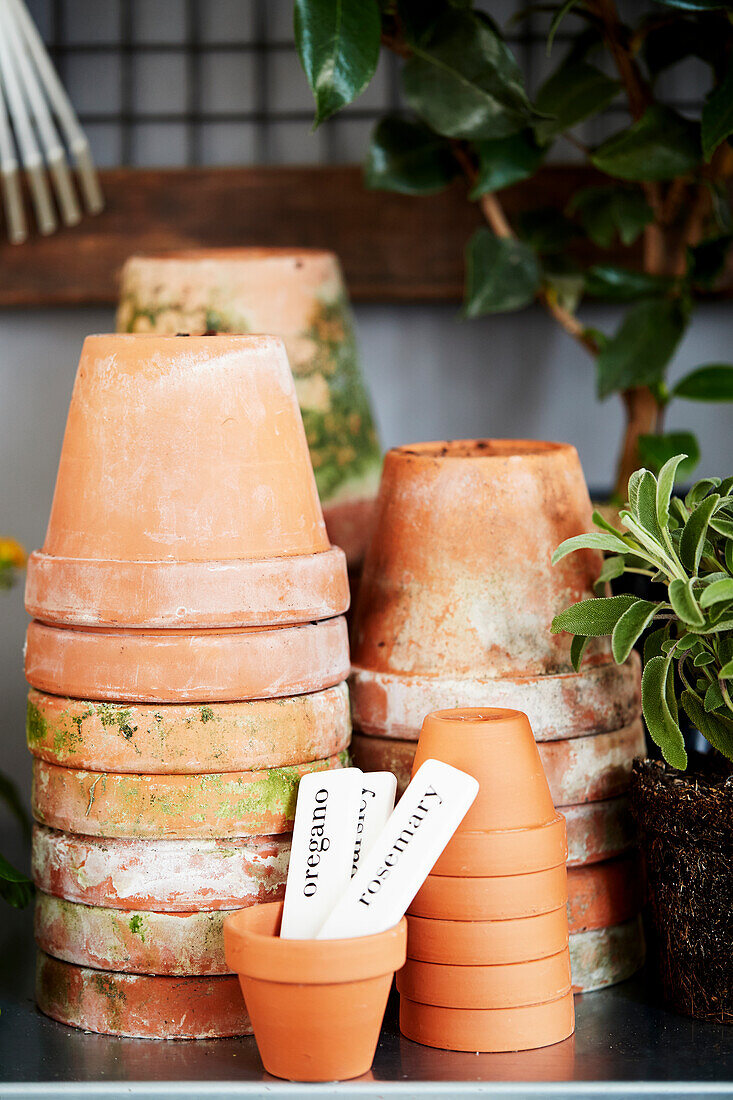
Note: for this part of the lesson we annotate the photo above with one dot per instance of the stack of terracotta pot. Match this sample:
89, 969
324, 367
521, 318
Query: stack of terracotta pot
488, 965
187, 662
458, 595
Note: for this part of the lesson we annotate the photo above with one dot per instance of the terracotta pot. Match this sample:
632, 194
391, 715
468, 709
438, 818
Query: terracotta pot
583, 769
140, 1005
604, 893
475, 943
503, 985
299, 295
186, 666
502, 897
230, 804
595, 700
166, 875
598, 830
496, 747
184, 470
316, 1005
504, 851
259, 733
604, 956
132, 941
488, 1029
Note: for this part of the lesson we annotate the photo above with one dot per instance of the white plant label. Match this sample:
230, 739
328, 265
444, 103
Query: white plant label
377, 802
427, 815
322, 851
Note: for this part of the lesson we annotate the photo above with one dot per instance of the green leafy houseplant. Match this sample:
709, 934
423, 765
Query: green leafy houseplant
687, 546
663, 178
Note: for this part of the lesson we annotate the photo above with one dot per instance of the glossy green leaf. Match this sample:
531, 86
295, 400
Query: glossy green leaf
501, 275
717, 115
663, 729
577, 649
713, 382
592, 618
338, 43
630, 627
545, 230
571, 94
557, 19
700, 490
608, 212
722, 525
406, 156
717, 592
639, 352
665, 486
15, 887
703, 658
619, 284
660, 146
693, 533
505, 161
594, 540
463, 80
655, 450
715, 728
684, 604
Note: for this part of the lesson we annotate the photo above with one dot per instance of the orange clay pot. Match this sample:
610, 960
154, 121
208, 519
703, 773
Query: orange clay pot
218, 737
132, 941
166, 875
184, 466
595, 700
502, 897
186, 666
496, 747
604, 893
475, 943
316, 1005
504, 851
598, 830
299, 295
140, 1005
583, 769
228, 804
488, 1029
504, 985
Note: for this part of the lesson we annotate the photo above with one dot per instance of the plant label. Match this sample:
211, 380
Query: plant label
377, 802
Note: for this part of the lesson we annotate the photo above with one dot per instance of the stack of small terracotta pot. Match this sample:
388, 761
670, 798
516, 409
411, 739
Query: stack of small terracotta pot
187, 662
488, 965
455, 609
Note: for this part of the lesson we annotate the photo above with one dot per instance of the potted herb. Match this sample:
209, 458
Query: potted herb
653, 203
683, 804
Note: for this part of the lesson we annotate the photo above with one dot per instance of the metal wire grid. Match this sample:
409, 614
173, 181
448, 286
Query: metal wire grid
189, 82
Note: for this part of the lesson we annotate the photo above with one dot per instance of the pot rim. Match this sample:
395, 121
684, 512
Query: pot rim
486, 448
235, 252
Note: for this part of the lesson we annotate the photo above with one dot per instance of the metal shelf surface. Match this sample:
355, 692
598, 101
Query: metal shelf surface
624, 1045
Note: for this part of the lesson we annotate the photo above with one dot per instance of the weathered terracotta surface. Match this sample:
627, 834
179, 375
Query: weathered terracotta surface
140, 1005
166, 875
479, 853
604, 956
477, 943
299, 295
502, 897
186, 666
596, 700
133, 941
178, 450
227, 804
604, 893
598, 830
500, 985
489, 1029
583, 769
217, 737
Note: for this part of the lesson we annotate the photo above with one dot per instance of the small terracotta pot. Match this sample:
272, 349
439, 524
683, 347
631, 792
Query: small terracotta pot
218, 737
598, 830
496, 747
186, 666
502, 897
167, 875
132, 941
490, 1030
184, 468
597, 699
583, 769
502, 985
316, 1005
121, 805
299, 295
141, 1006
476, 943
604, 956
504, 851
604, 893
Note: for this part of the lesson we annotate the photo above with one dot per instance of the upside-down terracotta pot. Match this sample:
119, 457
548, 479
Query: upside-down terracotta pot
604, 894
598, 830
499, 897
140, 1005
471, 942
176, 876
185, 494
228, 804
246, 736
186, 666
501, 985
490, 1030
604, 956
299, 295
316, 1005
